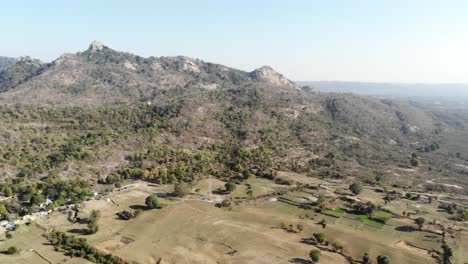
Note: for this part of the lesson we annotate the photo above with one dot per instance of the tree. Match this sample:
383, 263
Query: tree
383, 260
464, 215
319, 237
314, 255
38, 198
93, 227
230, 187
126, 215
420, 222
364, 208
181, 189
323, 222
337, 246
414, 162
95, 215
321, 201
93, 221
365, 259
7, 191
224, 203
12, 250
152, 201
447, 254
356, 188
3, 212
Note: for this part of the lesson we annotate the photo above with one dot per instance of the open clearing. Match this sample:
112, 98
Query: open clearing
194, 231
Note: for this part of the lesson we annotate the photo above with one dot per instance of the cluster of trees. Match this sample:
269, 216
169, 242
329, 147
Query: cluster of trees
368, 209
458, 213
429, 148
69, 134
229, 160
291, 228
79, 247
26, 194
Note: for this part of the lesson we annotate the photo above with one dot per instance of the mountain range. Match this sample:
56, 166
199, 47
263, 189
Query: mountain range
103, 75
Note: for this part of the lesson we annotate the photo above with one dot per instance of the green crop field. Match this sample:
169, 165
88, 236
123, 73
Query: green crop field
338, 212
365, 219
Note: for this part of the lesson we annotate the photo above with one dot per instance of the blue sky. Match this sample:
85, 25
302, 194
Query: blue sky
352, 40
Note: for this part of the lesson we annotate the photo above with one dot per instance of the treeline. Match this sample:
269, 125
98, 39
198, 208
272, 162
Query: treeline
79, 247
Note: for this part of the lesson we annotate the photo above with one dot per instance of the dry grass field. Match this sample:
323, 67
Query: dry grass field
194, 231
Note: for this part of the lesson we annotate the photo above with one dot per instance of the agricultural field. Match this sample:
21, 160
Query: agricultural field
193, 230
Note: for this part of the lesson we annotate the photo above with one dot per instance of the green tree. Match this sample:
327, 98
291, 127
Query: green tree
38, 198
3, 212
356, 188
12, 250
93, 221
95, 215
314, 255
420, 222
7, 191
152, 201
230, 186
383, 260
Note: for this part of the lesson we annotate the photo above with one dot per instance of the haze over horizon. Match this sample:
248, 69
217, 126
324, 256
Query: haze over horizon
365, 41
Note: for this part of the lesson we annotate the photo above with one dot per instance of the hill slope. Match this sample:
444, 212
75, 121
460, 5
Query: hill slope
6, 61
181, 101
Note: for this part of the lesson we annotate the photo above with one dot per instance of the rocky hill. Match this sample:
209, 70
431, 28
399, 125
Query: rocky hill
6, 61
103, 75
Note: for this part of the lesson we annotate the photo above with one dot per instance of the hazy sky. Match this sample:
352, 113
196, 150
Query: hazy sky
375, 40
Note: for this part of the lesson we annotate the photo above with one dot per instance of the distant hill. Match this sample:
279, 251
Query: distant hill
103, 75
390, 89
6, 61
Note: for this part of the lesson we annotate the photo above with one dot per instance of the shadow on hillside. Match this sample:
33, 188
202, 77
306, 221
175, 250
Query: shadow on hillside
79, 231
138, 207
300, 261
405, 229
220, 192
308, 241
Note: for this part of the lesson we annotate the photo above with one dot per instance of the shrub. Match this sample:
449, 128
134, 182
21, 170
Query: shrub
152, 201
314, 255
356, 188
12, 250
